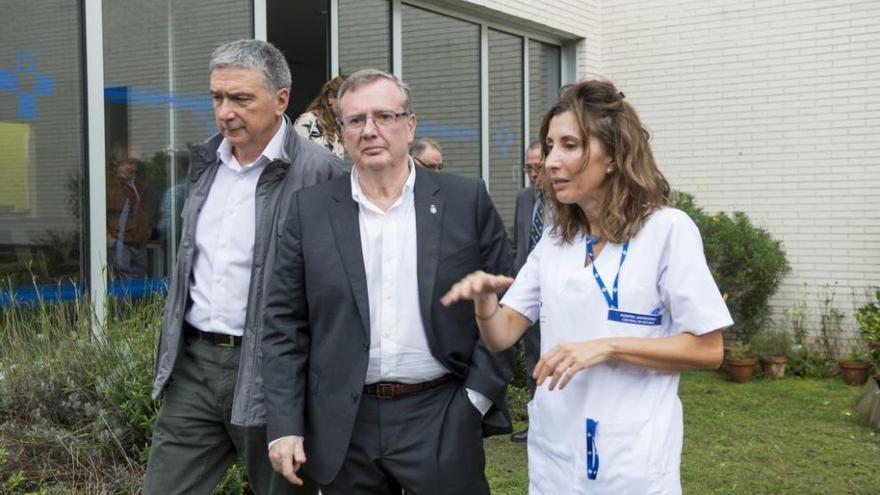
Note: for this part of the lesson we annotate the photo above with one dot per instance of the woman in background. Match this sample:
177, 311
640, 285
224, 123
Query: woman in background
318, 123
625, 300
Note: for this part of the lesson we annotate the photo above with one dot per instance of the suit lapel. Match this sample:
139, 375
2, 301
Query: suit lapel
347, 230
429, 205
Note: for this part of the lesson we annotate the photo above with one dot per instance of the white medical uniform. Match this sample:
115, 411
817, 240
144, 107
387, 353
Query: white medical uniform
639, 433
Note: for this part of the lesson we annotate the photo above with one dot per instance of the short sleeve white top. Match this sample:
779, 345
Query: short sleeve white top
639, 416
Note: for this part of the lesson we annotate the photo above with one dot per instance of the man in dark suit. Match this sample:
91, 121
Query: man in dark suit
371, 385
528, 226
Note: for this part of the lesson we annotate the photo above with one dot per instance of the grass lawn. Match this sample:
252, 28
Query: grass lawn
794, 436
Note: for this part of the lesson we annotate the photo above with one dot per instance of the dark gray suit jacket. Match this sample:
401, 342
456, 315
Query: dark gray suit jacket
522, 224
316, 338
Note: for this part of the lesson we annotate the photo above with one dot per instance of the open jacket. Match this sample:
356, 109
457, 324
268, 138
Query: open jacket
308, 164
316, 343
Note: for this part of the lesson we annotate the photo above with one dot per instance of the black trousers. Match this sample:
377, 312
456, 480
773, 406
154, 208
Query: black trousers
424, 444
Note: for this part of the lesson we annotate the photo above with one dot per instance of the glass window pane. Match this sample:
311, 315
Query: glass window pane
157, 106
42, 143
505, 121
441, 63
364, 35
544, 82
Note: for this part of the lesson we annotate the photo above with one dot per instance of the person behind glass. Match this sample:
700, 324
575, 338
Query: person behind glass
528, 227
318, 122
426, 152
625, 300
209, 360
129, 218
371, 386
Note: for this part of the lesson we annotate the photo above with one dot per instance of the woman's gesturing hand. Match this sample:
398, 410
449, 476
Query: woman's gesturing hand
566, 359
476, 285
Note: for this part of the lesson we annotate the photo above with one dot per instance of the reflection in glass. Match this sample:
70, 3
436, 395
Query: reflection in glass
505, 121
41, 149
441, 63
157, 106
544, 82
364, 35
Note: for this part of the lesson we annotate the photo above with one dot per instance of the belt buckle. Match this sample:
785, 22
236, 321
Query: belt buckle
224, 340
385, 390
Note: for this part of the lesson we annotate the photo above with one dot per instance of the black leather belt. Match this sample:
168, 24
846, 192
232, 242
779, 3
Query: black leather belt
218, 339
390, 390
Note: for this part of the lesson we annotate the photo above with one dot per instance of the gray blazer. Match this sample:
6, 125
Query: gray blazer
316, 338
308, 164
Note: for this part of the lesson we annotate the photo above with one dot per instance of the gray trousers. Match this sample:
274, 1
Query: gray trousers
194, 442
429, 443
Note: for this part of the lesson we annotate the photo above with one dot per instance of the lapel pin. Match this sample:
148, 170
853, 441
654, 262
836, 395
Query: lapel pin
433, 209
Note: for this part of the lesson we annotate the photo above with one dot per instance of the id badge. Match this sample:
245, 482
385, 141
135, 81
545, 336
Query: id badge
634, 318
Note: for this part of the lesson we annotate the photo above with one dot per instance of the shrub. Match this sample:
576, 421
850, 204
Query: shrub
868, 318
741, 350
830, 326
772, 343
747, 263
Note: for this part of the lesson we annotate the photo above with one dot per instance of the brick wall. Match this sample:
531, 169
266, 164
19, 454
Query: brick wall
771, 108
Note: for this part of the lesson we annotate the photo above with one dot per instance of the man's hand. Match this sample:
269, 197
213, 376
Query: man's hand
287, 456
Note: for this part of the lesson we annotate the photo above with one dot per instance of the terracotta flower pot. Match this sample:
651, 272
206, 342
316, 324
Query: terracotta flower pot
854, 373
741, 370
774, 366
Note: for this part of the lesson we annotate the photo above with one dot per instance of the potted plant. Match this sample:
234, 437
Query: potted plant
773, 347
855, 364
740, 363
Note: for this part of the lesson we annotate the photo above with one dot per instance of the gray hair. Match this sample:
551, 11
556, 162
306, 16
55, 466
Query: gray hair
533, 145
421, 145
254, 54
366, 76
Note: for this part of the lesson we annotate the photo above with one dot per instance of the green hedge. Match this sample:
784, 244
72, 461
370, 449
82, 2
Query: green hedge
747, 263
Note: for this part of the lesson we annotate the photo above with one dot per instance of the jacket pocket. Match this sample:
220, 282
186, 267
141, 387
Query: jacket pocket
623, 450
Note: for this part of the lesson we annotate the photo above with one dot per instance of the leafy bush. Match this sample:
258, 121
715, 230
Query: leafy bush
741, 350
75, 405
868, 318
747, 263
770, 343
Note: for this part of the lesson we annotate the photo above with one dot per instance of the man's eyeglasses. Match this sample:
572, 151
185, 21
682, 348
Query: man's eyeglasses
381, 119
532, 167
433, 166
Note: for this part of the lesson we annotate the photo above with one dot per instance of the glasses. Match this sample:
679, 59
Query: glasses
532, 167
433, 166
381, 119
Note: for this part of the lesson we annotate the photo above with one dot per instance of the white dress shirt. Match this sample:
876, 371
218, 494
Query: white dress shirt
225, 233
399, 349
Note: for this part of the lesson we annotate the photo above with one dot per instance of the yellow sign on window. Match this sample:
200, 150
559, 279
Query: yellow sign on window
15, 141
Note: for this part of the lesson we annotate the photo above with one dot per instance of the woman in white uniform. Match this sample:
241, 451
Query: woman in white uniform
625, 300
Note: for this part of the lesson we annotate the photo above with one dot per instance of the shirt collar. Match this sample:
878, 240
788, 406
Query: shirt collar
357, 194
273, 151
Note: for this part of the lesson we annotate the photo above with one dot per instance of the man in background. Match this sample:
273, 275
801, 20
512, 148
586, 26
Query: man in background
426, 152
528, 226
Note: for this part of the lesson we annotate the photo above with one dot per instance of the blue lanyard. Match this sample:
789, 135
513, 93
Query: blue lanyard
612, 297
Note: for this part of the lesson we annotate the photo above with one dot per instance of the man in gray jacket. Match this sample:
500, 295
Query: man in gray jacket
208, 360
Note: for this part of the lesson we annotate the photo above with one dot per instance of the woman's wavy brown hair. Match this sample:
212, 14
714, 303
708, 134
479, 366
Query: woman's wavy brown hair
635, 188
320, 106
